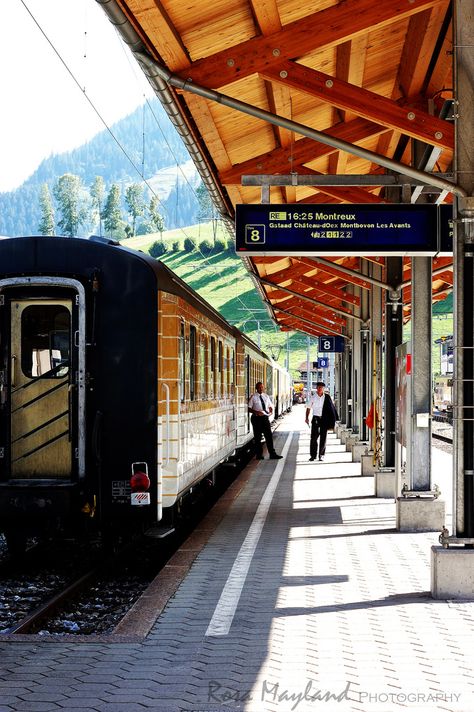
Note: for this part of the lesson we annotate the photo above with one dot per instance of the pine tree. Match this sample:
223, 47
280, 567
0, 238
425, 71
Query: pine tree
112, 213
207, 210
97, 193
67, 192
156, 219
135, 203
46, 226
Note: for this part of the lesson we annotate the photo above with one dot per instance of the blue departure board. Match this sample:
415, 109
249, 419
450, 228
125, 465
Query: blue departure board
301, 229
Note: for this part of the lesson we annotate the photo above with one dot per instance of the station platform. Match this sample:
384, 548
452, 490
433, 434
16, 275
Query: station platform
304, 597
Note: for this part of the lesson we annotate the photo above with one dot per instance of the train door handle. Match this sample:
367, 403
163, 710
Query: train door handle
13, 365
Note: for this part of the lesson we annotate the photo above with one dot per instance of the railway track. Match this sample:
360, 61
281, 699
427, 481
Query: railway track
48, 608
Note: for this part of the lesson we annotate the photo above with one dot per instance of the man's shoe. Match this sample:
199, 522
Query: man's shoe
321, 459
275, 457
260, 457
312, 459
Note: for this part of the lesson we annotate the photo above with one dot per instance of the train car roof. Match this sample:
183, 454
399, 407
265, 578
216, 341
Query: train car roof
166, 278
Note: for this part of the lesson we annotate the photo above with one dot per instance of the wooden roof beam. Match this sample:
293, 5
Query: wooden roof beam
352, 279
422, 35
415, 123
326, 289
326, 28
294, 319
338, 310
305, 150
298, 274
296, 306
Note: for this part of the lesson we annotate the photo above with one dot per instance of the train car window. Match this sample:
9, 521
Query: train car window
212, 378
232, 371
225, 351
192, 363
182, 361
228, 373
202, 366
45, 341
220, 367
269, 374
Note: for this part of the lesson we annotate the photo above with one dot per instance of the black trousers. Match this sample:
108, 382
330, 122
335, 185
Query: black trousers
261, 426
318, 430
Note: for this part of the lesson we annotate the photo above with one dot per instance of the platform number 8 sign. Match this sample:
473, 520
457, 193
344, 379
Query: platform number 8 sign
326, 343
255, 234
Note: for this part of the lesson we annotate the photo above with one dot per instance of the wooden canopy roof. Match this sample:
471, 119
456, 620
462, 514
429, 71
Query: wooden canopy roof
376, 75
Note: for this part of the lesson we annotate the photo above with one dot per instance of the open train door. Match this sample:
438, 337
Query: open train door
41, 393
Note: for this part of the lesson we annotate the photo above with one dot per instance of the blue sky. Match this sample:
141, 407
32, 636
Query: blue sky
43, 110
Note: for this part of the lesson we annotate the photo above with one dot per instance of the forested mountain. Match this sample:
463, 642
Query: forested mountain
145, 138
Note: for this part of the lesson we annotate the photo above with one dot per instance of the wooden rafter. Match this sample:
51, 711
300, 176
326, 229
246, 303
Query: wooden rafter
327, 28
305, 150
415, 123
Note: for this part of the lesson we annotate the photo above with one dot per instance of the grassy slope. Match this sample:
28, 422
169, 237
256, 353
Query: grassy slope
223, 281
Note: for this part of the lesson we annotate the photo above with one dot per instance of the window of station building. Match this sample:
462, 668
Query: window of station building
212, 373
45, 341
182, 362
202, 365
192, 363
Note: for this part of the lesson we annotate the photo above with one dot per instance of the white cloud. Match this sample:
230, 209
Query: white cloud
43, 110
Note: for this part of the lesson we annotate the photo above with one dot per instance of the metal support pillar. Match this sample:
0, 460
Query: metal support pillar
348, 367
420, 450
452, 572
356, 370
376, 350
393, 338
365, 355
342, 404
464, 273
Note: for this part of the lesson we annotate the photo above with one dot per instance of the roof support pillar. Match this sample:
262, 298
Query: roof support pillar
393, 338
464, 273
375, 386
419, 450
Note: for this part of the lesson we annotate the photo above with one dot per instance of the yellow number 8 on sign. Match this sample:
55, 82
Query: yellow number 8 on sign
255, 234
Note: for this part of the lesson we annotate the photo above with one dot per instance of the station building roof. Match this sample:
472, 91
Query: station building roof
367, 75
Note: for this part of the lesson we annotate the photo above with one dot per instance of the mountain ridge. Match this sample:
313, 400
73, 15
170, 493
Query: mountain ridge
141, 144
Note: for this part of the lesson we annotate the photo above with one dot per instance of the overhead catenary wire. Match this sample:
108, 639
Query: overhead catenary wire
120, 146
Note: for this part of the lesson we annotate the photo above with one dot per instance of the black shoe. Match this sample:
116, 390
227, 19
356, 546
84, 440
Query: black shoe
312, 459
321, 459
275, 457
260, 457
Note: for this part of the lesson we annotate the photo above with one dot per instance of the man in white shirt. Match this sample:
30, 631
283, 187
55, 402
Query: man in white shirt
324, 419
261, 406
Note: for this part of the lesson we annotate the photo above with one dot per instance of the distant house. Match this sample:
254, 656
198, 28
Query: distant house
316, 374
